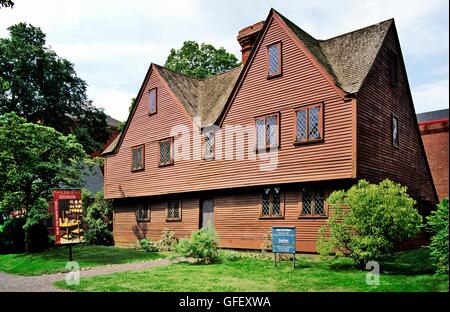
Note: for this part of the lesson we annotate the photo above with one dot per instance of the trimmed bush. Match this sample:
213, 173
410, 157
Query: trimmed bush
375, 218
438, 226
168, 240
203, 245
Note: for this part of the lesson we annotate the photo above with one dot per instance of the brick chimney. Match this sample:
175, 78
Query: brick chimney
247, 37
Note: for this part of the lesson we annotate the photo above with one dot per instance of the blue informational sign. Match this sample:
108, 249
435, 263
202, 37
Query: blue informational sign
283, 239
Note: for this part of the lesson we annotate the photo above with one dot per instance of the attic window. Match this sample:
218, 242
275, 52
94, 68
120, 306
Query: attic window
393, 68
209, 145
137, 158
152, 101
274, 60
395, 139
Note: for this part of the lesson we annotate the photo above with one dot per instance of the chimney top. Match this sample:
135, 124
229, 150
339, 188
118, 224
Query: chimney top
247, 37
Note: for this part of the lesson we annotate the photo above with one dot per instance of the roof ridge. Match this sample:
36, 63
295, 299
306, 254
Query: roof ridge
225, 72
199, 79
356, 30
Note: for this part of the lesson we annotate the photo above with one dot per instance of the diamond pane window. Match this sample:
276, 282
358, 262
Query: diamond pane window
165, 152
274, 59
314, 122
152, 101
319, 208
313, 203
306, 203
271, 203
143, 212
173, 210
395, 140
301, 126
266, 131
209, 145
308, 124
137, 158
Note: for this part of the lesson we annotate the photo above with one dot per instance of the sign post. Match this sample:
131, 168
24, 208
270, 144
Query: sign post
283, 241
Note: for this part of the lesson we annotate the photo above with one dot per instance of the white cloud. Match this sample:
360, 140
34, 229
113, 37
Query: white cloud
431, 96
114, 101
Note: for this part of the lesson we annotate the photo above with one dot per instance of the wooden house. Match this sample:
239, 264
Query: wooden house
303, 117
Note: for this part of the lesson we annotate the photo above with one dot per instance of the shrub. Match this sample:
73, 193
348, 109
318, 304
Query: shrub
438, 226
98, 216
168, 240
147, 245
12, 236
375, 217
267, 241
203, 245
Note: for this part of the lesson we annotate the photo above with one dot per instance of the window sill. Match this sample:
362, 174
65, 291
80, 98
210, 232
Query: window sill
173, 220
137, 170
274, 75
165, 165
313, 217
308, 142
150, 114
140, 221
266, 150
271, 217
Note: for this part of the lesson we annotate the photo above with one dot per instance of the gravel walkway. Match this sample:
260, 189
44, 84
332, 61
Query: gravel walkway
44, 283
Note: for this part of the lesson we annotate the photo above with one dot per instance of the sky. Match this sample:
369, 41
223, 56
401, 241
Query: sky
112, 43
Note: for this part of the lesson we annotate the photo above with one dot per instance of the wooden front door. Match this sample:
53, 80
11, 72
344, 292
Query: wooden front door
206, 212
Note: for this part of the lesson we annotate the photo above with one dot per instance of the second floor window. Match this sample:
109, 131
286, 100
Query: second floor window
309, 124
274, 60
166, 152
174, 210
312, 203
152, 101
267, 130
137, 158
271, 203
209, 145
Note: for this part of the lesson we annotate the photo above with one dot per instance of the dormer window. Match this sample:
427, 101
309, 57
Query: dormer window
152, 101
274, 60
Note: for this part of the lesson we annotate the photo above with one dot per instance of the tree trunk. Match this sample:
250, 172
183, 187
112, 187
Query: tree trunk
27, 242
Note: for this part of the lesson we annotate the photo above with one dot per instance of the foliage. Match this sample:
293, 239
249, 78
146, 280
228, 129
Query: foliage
6, 3
438, 225
200, 61
12, 235
203, 245
147, 245
375, 218
168, 240
267, 241
98, 220
44, 88
33, 160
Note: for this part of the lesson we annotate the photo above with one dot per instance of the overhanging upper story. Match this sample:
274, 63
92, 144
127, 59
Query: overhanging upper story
288, 114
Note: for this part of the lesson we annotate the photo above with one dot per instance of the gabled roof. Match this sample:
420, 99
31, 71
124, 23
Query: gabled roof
348, 57
433, 115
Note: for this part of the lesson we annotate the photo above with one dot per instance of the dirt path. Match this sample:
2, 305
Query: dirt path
44, 283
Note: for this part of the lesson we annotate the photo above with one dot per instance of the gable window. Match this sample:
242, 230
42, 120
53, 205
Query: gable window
209, 145
173, 210
137, 158
166, 152
395, 138
393, 68
152, 101
274, 60
267, 131
143, 212
309, 123
272, 203
312, 203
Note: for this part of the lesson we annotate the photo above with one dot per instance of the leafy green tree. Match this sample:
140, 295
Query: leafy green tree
367, 220
200, 61
33, 160
98, 216
438, 225
44, 88
6, 3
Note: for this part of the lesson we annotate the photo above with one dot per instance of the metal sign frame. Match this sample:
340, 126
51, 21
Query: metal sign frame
283, 241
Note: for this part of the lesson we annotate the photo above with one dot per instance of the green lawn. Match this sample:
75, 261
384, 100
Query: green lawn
407, 271
54, 260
